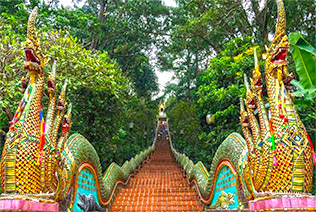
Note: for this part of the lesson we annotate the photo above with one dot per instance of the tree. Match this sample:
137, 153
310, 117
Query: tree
128, 39
201, 28
99, 91
185, 128
128, 30
221, 86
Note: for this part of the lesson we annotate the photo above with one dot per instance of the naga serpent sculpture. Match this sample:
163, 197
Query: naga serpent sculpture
275, 155
38, 164
273, 159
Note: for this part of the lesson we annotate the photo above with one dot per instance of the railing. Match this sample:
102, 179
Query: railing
112, 177
198, 174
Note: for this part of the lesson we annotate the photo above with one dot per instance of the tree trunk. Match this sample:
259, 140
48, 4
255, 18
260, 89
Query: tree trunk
103, 3
197, 73
261, 20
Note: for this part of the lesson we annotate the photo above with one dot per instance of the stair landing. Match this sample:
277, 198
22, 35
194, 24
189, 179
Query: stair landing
158, 186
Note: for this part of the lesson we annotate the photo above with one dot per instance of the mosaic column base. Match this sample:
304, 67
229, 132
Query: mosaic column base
26, 205
285, 203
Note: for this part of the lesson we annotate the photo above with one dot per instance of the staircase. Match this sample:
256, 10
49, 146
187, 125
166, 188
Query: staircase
158, 186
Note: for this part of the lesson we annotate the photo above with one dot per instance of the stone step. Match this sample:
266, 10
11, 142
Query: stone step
158, 186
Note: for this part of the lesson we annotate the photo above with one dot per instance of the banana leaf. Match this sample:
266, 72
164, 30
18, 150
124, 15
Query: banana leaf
309, 94
304, 55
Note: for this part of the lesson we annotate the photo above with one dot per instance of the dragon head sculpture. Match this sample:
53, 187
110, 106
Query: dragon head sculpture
62, 97
250, 97
64, 167
35, 61
66, 125
51, 82
256, 80
27, 167
244, 120
280, 154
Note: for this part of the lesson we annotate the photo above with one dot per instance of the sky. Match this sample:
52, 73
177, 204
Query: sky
163, 77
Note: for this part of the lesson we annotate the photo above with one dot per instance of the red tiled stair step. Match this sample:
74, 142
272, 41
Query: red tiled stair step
159, 197
158, 203
158, 186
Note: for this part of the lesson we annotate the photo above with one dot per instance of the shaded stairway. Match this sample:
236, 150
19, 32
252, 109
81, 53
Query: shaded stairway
158, 186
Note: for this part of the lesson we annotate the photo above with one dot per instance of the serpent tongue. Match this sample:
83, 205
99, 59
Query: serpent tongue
279, 56
31, 59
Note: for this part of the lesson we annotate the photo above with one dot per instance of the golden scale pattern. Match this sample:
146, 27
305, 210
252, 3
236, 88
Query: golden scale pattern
308, 171
57, 122
10, 172
32, 121
256, 162
47, 169
19, 171
263, 166
27, 172
52, 116
19, 164
293, 172
2, 167
281, 176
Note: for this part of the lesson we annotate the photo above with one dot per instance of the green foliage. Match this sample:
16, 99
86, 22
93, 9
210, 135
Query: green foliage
221, 86
304, 55
128, 30
309, 94
113, 84
11, 70
199, 30
183, 117
104, 83
97, 88
142, 113
218, 91
127, 39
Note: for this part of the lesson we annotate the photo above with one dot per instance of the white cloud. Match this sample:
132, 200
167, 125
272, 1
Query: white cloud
170, 3
69, 3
